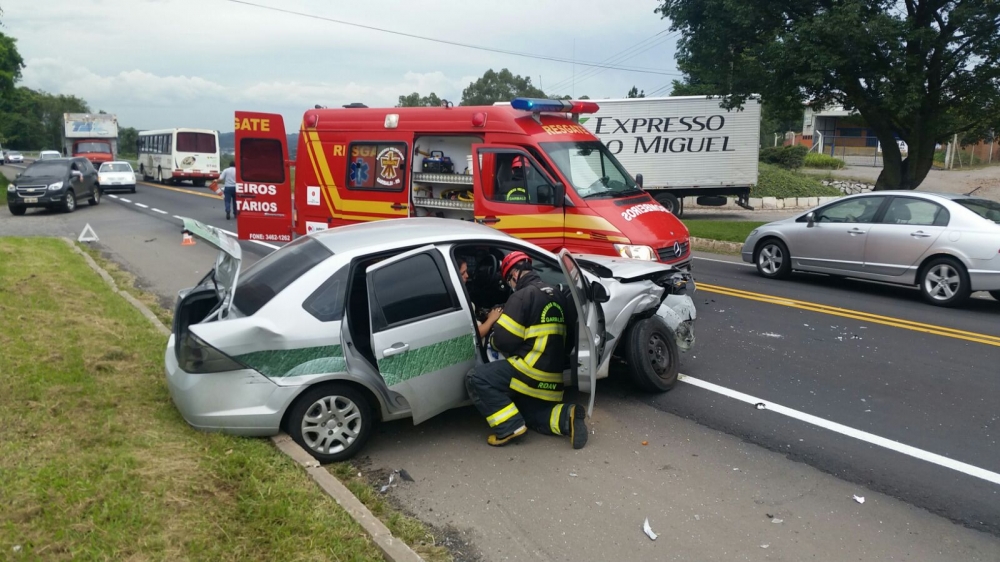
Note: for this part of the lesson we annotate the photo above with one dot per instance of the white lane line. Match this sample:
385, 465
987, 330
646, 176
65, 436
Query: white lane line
155, 210
141, 205
933, 458
125, 200
113, 196
744, 264
180, 218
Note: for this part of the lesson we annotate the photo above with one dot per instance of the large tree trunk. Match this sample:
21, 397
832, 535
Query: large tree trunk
908, 173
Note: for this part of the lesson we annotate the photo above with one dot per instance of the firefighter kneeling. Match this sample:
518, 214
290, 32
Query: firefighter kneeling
526, 390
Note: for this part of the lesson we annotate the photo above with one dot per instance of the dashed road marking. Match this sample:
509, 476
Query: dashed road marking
141, 205
155, 210
125, 200
113, 196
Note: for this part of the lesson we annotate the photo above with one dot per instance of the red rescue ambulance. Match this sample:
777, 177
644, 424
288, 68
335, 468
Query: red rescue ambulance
528, 169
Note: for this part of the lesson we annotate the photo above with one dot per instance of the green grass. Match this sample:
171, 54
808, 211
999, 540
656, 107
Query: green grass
823, 161
727, 231
774, 181
96, 462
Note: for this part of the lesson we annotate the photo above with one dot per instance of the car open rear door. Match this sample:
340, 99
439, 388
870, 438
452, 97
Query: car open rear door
227, 265
421, 336
588, 328
263, 181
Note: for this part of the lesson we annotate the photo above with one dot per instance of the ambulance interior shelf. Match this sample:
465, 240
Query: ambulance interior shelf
428, 190
441, 184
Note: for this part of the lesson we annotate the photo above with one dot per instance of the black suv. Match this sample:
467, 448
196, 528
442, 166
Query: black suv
56, 183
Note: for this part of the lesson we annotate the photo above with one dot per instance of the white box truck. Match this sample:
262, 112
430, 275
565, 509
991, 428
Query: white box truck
93, 136
685, 146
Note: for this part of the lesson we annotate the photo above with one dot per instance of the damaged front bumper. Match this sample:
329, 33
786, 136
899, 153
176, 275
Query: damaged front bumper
679, 314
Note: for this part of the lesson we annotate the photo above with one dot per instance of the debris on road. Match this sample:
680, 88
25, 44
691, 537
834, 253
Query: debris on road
385, 488
405, 475
765, 545
644, 443
776, 520
648, 530
573, 474
760, 405
859, 499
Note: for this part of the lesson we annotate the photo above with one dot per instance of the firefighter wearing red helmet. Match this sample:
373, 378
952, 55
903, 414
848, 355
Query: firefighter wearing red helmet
526, 390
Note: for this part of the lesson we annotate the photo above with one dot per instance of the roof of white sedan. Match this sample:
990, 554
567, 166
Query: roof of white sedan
116, 162
405, 232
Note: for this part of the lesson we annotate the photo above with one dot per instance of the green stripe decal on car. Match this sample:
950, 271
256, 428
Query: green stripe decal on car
423, 360
279, 363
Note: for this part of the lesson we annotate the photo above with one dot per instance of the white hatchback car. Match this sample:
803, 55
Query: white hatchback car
345, 327
49, 155
117, 175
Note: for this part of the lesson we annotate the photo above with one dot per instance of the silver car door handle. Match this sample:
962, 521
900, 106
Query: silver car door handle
919, 234
855, 231
396, 349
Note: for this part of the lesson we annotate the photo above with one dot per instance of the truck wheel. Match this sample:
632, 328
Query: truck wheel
671, 202
652, 355
142, 172
200, 182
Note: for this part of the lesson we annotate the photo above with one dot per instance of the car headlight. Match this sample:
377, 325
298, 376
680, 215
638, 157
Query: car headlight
55, 186
753, 233
11, 187
100, 179
635, 252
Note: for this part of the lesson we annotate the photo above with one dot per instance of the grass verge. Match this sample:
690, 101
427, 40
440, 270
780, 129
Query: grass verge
96, 461
727, 231
774, 181
128, 282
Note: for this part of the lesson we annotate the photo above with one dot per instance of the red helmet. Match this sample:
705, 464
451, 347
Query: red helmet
510, 261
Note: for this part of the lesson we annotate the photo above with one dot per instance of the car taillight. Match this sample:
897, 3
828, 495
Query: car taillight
196, 356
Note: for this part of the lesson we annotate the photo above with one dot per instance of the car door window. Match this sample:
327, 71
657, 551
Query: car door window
857, 210
326, 303
412, 289
916, 212
518, 180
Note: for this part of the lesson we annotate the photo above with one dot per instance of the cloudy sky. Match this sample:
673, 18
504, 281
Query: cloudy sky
191, 63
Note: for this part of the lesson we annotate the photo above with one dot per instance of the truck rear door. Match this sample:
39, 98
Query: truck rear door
263, 181
514, 194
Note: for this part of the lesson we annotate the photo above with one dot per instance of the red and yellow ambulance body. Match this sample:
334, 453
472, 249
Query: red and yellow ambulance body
527, 169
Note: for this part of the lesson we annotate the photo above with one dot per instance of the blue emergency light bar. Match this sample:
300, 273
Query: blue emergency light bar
536, 105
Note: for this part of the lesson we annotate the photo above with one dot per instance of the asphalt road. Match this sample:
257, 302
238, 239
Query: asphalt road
890, 398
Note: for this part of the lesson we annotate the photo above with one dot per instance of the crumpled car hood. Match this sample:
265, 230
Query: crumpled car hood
625, 268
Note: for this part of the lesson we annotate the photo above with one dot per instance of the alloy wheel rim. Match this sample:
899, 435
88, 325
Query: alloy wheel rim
770, 259
331, 424
659, 357
942, 282
70, 201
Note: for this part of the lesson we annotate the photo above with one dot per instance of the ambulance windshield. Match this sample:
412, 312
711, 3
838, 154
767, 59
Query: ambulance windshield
592, 170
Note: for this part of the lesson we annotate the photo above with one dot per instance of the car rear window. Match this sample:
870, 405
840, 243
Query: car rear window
116, 168
268, 277
989, 210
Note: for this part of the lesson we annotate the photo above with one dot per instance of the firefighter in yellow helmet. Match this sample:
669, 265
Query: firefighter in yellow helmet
526, 390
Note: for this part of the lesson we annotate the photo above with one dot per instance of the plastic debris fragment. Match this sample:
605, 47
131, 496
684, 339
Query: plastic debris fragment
859, 499
648, 530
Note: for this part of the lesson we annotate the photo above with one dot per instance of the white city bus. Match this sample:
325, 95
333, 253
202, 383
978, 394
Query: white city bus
174, 155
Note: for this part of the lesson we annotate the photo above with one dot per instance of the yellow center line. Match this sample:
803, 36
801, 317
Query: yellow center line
854, 314
179, 190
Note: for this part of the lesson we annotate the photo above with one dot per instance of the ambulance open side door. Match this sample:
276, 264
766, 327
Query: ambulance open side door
263, 179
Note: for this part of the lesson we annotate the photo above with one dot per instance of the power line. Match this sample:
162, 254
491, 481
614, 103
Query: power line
454, 43
615, 59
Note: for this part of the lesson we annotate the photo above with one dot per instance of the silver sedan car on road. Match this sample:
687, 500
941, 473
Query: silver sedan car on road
946, 244
347, 326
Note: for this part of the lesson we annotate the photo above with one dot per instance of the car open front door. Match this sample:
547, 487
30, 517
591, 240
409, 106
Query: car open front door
588, 328
263, 181
421, 336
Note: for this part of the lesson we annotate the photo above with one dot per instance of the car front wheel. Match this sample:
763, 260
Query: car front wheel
17, 210
331, 421
944, 282
773, 260
652, 355
69, 203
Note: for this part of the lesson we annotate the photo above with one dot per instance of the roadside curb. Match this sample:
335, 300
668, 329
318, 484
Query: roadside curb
114, 287
709, 245
392, 548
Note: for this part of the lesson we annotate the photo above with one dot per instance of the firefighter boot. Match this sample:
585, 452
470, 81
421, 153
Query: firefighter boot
498, 441
577, 427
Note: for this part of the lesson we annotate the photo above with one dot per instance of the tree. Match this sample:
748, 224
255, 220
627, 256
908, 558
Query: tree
635, 93
415, 100
128, 139
919, 70
499, 86
692, 87
11, 64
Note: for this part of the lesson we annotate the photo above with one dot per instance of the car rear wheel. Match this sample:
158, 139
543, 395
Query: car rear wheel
944, 282
331, 421
95, 198
17, 210
773, 260
69, 203
652, 355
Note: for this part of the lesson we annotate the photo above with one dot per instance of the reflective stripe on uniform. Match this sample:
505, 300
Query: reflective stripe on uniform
536, 351
548, 395
502, 415
554, 419
538, 330
511, 326
540, 376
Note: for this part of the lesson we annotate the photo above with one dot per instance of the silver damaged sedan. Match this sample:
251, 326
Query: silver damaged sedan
948, 245
348, 326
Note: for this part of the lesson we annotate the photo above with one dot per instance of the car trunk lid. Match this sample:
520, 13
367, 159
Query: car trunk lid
226, 273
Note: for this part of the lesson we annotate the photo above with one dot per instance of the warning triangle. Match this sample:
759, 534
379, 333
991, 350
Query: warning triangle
88, 234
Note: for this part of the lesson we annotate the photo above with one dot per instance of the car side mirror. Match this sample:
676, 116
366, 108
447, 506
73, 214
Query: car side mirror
600, 294
552, 194
810, 218
638, 180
